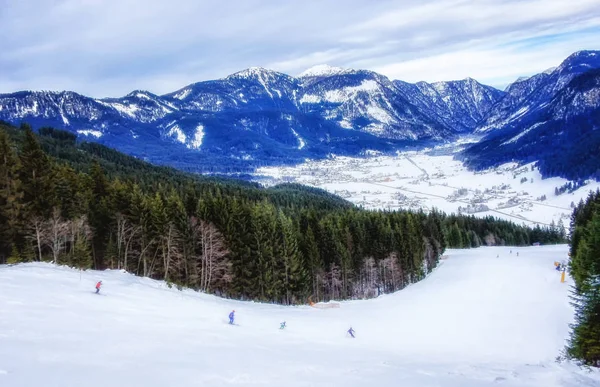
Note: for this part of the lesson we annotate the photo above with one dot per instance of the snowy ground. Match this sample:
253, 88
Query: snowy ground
477, 320
426, 179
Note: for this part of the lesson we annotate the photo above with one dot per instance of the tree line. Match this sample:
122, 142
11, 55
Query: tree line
88, 206
584, 266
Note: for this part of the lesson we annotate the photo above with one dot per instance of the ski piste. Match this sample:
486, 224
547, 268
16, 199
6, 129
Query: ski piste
475, 321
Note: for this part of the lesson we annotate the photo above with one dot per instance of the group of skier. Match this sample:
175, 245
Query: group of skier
282, 325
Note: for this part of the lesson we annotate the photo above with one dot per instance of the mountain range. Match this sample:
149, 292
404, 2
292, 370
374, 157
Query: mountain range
258, 116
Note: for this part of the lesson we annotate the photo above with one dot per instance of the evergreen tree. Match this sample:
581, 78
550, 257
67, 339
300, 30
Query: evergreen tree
82, 256
295, 278
36, 176
584, 343
10, 198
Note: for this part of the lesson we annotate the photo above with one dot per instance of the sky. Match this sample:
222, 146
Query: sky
107, 48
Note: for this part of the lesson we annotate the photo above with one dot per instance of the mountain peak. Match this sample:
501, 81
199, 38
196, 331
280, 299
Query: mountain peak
252, 72
140, 94
580, 61
323, 70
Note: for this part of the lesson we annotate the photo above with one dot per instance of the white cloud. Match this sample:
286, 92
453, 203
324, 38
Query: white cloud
109, 47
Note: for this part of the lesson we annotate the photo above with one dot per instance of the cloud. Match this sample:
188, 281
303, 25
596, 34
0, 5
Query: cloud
110, 47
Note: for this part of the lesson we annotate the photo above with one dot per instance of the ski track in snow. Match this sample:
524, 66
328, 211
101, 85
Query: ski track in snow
477, 320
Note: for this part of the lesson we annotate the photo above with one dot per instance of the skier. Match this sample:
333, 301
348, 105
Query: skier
351, 332
98, 285
558, 267
282, 325
517, 253
231, 317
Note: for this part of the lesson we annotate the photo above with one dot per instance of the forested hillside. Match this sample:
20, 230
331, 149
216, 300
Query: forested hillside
86, 205
585, 270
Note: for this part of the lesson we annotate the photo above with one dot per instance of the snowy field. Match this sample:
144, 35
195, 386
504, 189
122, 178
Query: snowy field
478, 320
425, 179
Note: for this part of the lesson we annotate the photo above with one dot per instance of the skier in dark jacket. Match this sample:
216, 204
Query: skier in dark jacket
231, 316
351, 332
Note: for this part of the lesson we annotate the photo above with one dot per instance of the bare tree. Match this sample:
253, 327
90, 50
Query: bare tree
319, 284
334, 279
170, 248
125, 234
391, 273
215, 266
144, 245
39, 230
80, 229
58, 229
369, 278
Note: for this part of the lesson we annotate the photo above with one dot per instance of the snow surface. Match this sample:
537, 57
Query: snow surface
477, 320
182, 94
90, 132
301, 142
176, 132
198, 137
433, 179
323, 70
129, 110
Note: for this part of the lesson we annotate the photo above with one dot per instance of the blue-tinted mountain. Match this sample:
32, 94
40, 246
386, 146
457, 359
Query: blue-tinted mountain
460, 105
257, 116
250, 118
526, 95
562, 134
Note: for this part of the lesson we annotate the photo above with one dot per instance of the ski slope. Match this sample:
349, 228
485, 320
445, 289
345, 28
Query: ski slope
477, 320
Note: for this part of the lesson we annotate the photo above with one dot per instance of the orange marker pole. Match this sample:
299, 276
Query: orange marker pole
562, 277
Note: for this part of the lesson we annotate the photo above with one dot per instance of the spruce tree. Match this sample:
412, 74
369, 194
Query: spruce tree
37, 185
36, 177
10, 196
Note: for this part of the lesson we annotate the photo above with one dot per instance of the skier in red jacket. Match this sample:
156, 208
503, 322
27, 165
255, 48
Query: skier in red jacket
98, 285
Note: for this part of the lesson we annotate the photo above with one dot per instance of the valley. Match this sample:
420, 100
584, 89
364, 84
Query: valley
432, 178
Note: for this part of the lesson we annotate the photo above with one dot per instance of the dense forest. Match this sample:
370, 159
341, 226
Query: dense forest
88, 206
584, 267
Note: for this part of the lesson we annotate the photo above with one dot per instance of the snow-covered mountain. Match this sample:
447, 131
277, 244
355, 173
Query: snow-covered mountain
562, 134
368, 102
529, 94
254, 116
258, 116
460, 105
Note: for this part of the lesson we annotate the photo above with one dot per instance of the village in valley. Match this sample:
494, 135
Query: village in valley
431, 179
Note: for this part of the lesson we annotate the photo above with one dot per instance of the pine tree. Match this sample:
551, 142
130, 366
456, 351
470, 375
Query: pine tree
10, 196
584, 344
16, 256
82, 256
36, 176
100, 213
313, 259
37, 184
294, 273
